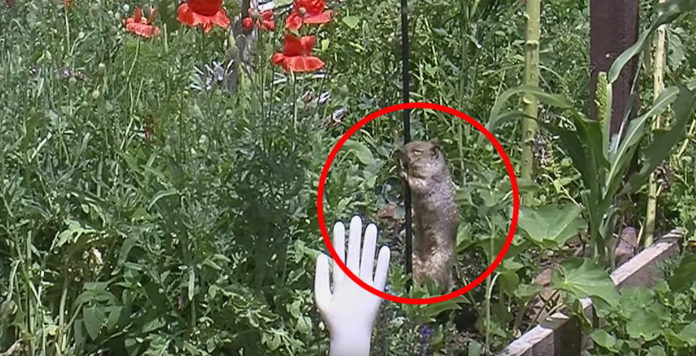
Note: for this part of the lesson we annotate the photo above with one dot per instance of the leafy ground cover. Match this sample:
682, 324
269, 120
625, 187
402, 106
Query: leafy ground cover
158, 180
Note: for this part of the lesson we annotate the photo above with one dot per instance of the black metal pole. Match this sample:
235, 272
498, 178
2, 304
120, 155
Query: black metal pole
407, 130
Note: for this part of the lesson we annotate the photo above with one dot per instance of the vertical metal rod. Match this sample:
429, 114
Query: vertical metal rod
407, 130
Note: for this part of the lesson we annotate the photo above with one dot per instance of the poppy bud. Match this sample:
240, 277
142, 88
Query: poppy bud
303, 11
95, 94
255, 15
101, 68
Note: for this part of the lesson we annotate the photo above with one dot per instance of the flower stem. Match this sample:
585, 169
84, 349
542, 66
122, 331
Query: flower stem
294, 100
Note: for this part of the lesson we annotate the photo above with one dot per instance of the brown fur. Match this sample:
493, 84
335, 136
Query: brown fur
435, 215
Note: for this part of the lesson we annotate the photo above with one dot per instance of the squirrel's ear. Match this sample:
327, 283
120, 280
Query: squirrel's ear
437, 148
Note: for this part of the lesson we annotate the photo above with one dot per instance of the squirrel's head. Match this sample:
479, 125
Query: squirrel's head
421, 157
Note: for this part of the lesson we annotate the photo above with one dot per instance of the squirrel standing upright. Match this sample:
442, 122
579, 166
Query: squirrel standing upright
435, 214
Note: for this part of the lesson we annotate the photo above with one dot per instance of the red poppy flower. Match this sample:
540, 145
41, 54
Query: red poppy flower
203, 12
307, 11
141, 26
263, 19
296, 56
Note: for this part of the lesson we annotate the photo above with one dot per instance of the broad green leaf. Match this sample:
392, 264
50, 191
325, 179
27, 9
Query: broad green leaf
683, 276
152, 322
688, 334
92, 321
644, 323
361, 152
113, 315
351, 21
551, 226
584, 278
78, 333
604, 339
475, 348
634, 298
656, 350
509, 282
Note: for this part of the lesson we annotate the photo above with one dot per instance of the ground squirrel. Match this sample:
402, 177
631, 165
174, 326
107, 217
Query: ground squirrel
435, 215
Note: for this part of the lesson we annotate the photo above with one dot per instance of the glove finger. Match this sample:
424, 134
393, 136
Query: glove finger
382, 268
322, 288
339, 244
367, 262
354, 244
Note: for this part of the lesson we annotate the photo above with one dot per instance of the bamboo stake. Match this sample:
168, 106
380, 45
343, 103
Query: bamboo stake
531, 77
658, 87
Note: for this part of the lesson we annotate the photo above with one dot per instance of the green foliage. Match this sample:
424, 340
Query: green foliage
585, 278
140, 216
603, 172
652, 321
551, 226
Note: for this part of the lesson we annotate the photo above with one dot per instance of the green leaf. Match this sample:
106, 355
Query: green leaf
621, 158
152, 322
509, 282
78, 333
584, 278
644, 323
551, 226
586, 150
604, 339
433, 310
475, 348
351, 21
325, 44
210, 263
160, 195
688, 334
683, 276
495, 118
656, 351
667, 12
113, 315
92, 321
72, 233
191, 282
663, 140
361, 152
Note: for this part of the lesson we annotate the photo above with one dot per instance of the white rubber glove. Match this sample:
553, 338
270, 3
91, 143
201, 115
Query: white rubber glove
350, 311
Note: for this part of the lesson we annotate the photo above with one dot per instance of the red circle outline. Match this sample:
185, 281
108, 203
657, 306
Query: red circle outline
478, 126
